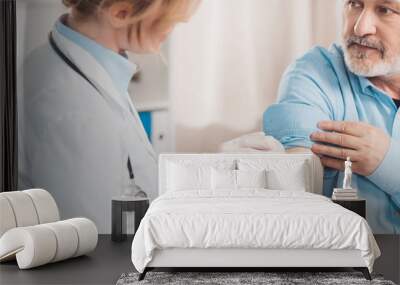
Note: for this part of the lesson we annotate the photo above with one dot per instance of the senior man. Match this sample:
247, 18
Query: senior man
344, 102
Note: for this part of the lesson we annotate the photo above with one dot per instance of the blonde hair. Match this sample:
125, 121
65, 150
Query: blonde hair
171, 8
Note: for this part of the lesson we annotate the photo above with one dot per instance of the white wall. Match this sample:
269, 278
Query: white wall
226, 63
35, 18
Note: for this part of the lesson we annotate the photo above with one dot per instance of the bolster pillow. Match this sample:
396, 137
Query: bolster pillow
40, 244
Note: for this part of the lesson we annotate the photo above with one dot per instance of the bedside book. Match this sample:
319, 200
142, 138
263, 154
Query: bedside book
347, 191
345, 194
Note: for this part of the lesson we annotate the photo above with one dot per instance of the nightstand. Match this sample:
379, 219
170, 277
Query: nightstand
121, 205
357, 206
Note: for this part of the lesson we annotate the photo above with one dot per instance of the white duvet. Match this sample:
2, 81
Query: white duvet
250, 219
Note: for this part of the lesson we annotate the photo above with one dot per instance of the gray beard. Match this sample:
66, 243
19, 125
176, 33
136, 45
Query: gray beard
381, 69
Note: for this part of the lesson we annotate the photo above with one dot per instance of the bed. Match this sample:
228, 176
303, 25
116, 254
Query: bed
248, 211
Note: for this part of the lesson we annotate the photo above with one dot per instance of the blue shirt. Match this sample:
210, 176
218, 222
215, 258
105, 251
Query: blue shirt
318, 87
119, 68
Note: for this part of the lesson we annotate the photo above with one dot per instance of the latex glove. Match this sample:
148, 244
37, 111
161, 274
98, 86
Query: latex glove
253, 143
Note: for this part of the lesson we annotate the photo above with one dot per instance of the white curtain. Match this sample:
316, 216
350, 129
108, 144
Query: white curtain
226, 63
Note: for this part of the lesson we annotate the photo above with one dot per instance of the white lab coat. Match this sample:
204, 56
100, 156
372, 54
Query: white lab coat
77, 140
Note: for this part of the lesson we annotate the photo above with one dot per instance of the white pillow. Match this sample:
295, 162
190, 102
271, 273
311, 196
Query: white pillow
251, 179
223, 179
281, 174
182, 177
293, 180
237, 179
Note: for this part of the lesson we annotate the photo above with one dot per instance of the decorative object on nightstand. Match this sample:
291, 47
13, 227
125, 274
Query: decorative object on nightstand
346, 192
134, 200
132, 190
357, 206
347, 196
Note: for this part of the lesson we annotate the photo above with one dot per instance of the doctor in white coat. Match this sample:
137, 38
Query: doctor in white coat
80, 126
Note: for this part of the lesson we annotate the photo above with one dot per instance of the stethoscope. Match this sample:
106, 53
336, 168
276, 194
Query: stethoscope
79, 71
69, 62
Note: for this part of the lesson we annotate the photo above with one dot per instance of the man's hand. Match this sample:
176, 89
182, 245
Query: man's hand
366, 145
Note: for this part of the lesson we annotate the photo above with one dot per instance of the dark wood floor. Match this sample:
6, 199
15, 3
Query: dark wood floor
389, 262
110, 260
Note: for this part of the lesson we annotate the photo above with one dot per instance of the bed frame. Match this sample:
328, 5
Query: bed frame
249, 259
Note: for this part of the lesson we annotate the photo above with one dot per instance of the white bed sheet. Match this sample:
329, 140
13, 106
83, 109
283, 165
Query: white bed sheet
251, 218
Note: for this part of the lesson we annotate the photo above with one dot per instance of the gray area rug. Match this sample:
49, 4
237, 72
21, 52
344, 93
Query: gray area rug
232, 278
